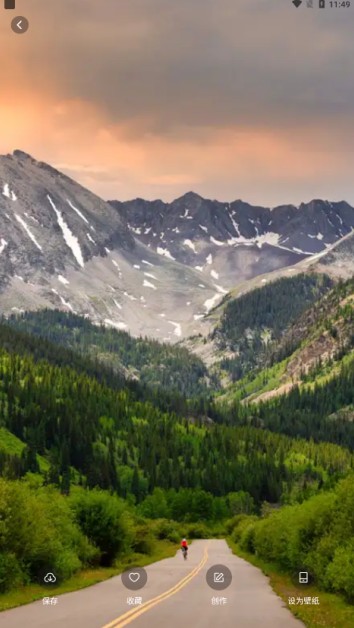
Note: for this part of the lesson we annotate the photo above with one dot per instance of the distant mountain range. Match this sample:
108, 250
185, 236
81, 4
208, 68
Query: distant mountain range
209, 235
151, 268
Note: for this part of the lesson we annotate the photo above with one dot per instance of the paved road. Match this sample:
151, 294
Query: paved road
176, 596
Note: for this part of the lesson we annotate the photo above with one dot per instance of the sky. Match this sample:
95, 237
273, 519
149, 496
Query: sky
250, 99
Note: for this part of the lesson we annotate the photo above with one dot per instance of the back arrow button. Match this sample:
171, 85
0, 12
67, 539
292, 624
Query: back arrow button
20, 25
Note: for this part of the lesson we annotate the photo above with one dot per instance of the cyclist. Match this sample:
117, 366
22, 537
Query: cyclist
184, 547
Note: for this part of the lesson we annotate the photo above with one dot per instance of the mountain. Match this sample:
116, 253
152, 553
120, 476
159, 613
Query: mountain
338, 261
150, 268
63, 247
234, 242
300, 350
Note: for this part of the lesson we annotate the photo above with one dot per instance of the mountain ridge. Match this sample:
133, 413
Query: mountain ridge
150, 268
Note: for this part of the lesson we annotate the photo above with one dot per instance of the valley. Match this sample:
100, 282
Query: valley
168, 370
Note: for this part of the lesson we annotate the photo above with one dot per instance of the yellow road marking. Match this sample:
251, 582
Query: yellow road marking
129, 616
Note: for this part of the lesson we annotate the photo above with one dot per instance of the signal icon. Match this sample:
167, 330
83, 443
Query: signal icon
297, 3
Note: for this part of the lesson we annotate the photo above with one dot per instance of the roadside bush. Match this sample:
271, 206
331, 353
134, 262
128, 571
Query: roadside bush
340, 573
165, 529
144, 542
231, 524
11, 574
247, 538
317, 534
196, 531
238, 524
37, 532
102, 518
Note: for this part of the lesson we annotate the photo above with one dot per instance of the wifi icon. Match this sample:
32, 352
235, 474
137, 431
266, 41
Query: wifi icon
297, 3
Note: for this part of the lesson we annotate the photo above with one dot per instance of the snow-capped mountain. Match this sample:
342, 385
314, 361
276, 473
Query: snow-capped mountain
61, 246
148, 267
233, 242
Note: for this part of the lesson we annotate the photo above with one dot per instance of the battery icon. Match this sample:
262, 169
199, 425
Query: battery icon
322, 4
9, 4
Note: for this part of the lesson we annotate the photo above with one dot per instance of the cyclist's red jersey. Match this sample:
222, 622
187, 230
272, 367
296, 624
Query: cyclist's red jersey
184, 544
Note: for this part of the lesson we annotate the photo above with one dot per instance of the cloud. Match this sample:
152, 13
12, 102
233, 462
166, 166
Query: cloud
196, 92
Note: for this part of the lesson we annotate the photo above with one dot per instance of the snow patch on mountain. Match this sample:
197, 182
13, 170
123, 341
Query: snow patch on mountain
28, 231
31, 218
130, 296
63, 280
178, 328
235, 225
220, 289
319, 236
71, 241
67, 304
217, 242
9, 193
118, 325
79, 213
164, 252
148, 284
3, 245
136, 230
210, 303
190, 245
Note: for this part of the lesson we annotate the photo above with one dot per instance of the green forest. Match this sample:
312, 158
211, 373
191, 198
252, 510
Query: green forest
157, 365
110, 445
253, 324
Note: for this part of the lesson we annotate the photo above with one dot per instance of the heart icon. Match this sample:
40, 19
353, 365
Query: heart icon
134, 577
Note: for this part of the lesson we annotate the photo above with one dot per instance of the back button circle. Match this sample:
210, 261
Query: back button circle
20, 25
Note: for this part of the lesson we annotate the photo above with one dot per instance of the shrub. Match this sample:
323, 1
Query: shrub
165, 529
37, 532
197, 531
143, 542
11, 574
247, 538
102, 519
242, 523
340, 572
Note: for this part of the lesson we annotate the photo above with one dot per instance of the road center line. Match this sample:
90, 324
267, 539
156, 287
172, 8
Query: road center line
129, 616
